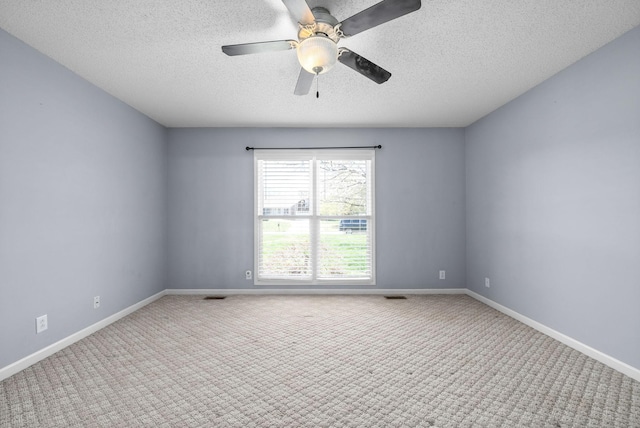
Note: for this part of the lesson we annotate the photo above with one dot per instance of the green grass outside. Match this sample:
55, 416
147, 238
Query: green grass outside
286, 253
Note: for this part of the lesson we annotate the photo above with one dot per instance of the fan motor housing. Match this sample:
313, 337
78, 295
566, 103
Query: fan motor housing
325, 24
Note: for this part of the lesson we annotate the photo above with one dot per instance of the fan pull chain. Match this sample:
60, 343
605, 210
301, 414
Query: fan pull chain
317, 86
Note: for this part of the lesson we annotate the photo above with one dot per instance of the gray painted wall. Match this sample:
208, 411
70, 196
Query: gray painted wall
553, 201
419, 203
82, 182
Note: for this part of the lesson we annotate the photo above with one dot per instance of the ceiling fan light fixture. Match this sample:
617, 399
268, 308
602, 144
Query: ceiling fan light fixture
317, 54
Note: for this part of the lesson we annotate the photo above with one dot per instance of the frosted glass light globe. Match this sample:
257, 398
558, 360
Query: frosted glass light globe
317, 54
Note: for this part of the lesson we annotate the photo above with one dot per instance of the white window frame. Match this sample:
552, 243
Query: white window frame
314, 217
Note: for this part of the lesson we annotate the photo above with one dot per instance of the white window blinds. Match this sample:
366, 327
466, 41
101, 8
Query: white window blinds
314, 220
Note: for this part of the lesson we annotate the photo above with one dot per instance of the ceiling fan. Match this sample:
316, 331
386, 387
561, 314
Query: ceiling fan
318, 36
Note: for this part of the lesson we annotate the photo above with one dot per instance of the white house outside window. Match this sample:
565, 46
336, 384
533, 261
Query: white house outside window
314, 217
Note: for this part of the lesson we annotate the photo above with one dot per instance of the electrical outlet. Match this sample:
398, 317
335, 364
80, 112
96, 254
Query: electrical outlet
443, 274
96, 302
487, 282
41, 324
248, 274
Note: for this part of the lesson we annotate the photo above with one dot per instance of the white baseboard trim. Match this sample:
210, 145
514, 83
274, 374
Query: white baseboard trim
312, 291
605, 359
29, 360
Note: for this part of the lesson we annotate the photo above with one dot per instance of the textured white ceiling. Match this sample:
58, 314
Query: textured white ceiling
452, 61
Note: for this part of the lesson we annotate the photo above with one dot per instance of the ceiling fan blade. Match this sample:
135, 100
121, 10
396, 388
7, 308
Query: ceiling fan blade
299, 10
259, 47
364, 66
378, 14
305, 79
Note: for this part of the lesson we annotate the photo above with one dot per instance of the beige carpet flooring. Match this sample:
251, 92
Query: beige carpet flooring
319, 361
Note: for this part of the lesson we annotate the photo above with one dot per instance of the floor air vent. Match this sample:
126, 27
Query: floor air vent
215, 297
395, 297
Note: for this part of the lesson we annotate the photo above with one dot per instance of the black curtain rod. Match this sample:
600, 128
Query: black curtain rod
311, 148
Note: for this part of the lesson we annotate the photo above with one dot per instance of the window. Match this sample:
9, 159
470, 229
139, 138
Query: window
314, 219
